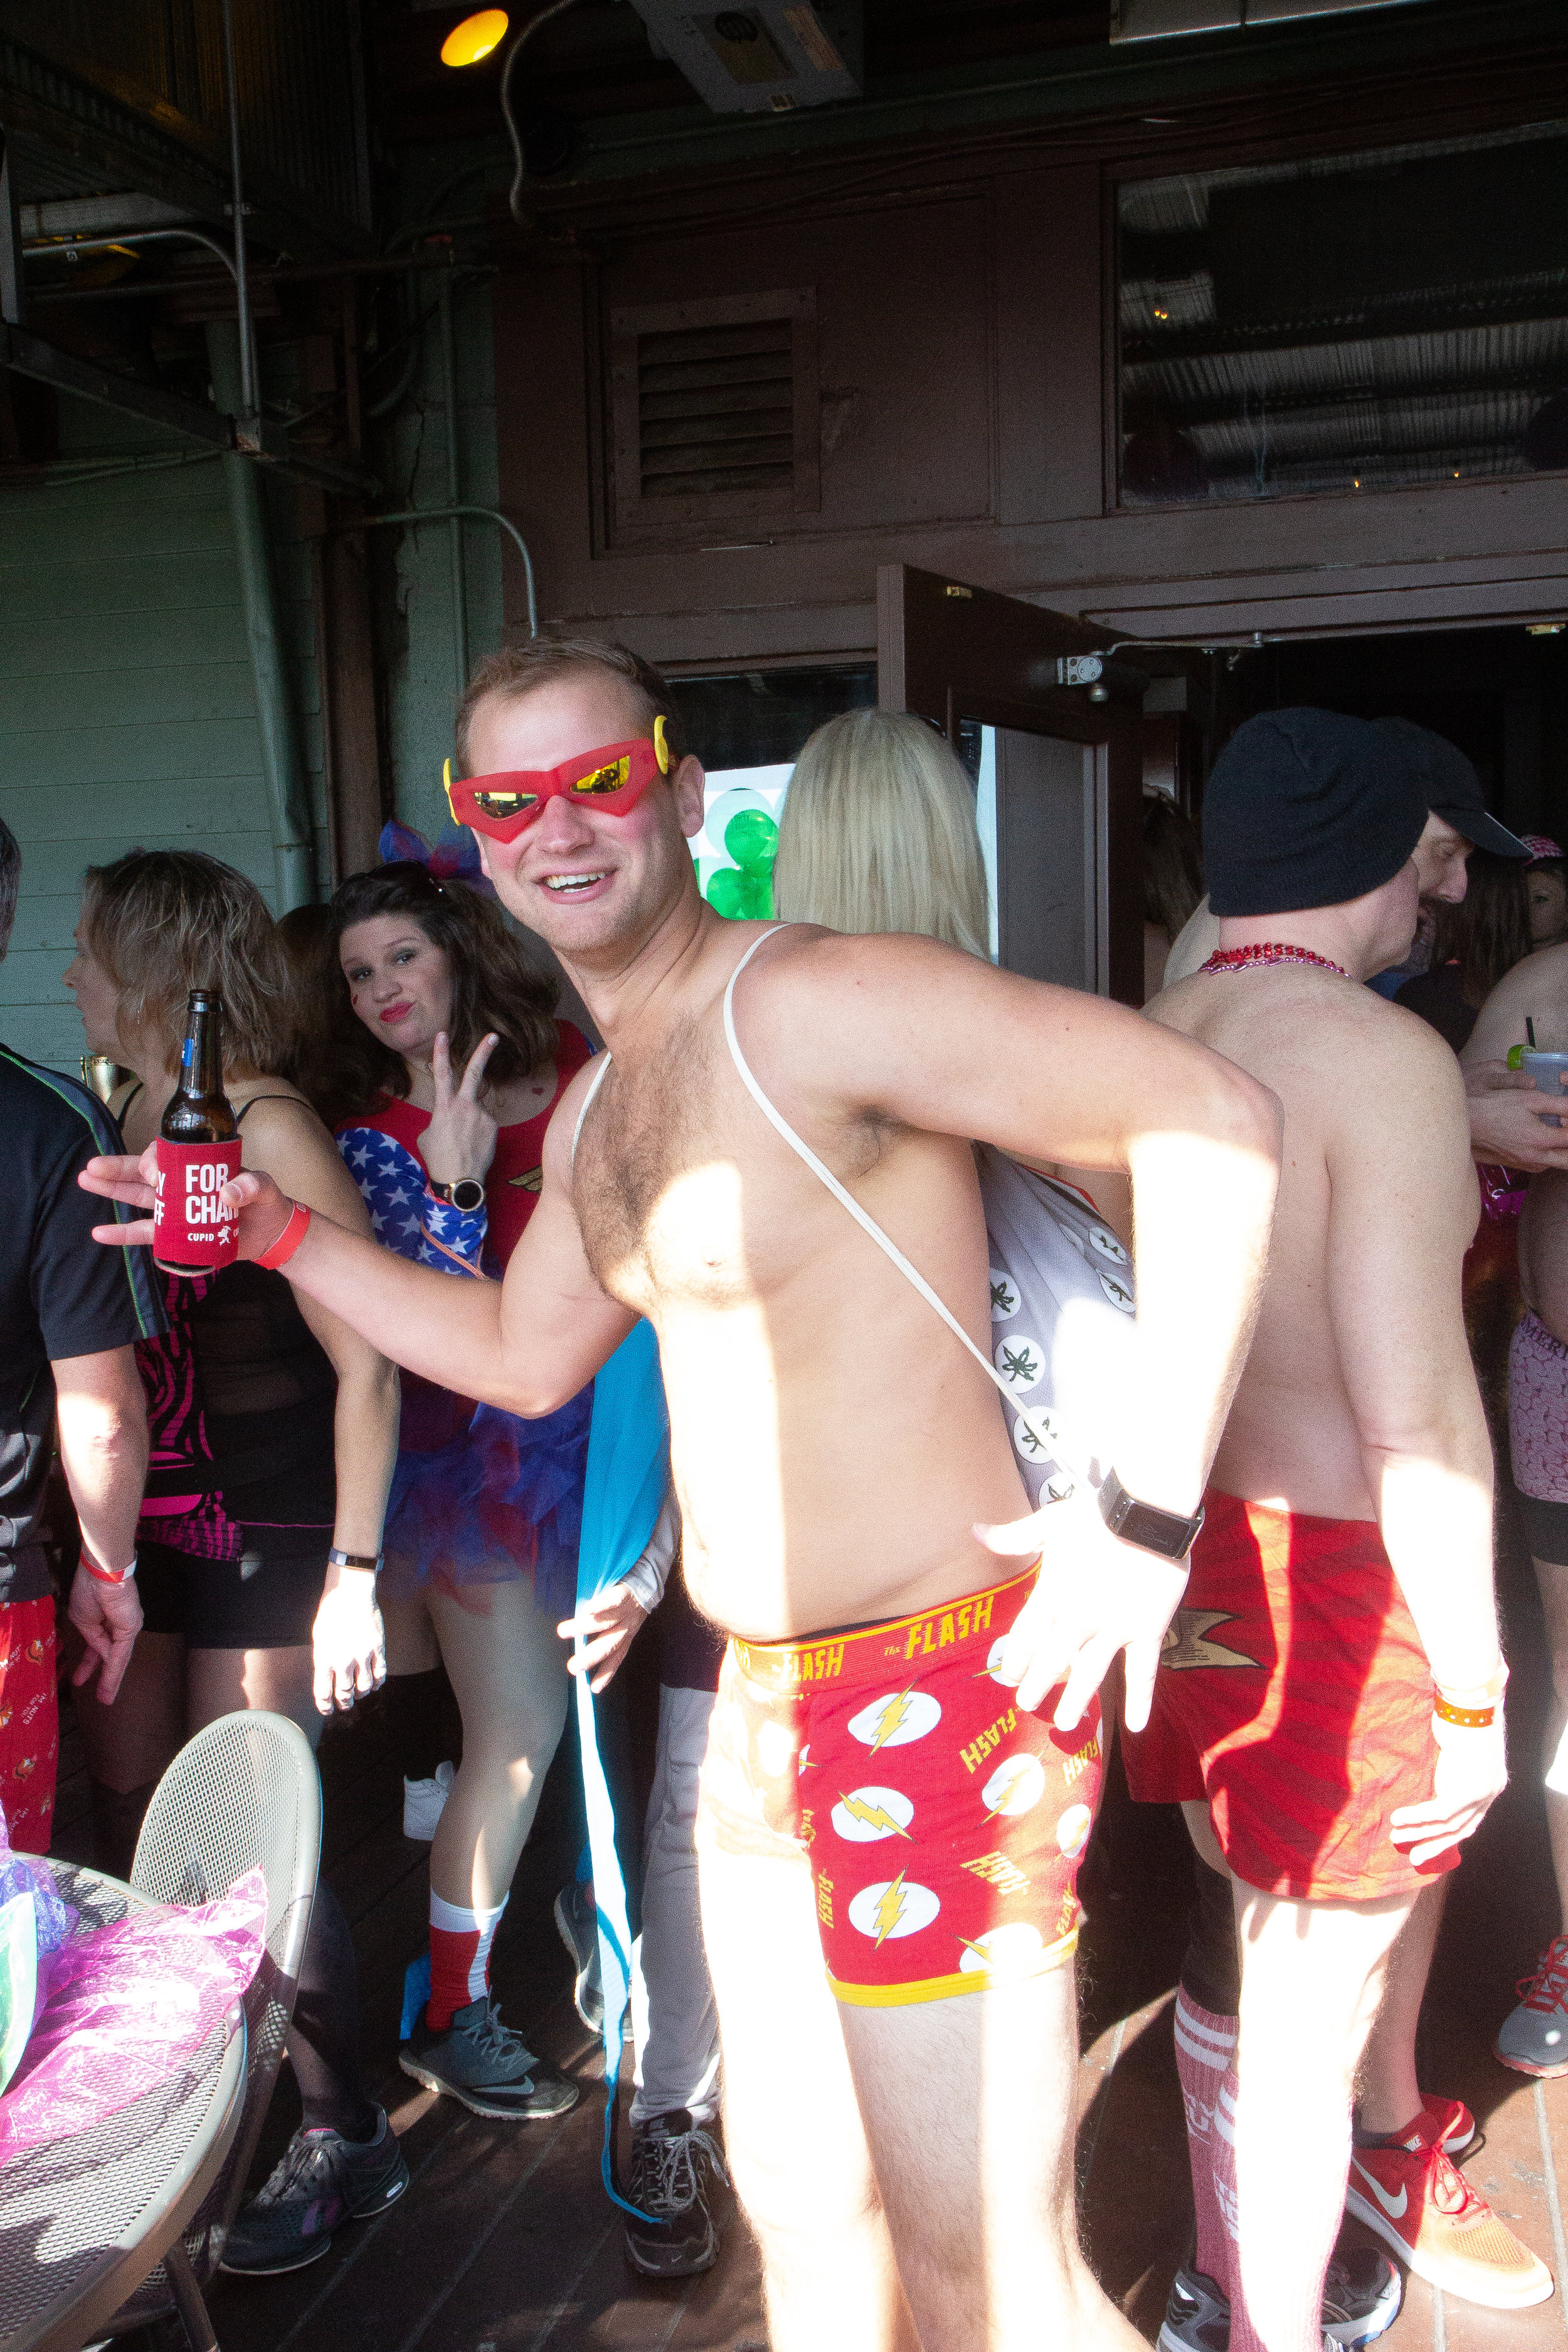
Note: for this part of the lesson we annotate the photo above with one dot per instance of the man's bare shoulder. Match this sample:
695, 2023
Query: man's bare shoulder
1352, 1038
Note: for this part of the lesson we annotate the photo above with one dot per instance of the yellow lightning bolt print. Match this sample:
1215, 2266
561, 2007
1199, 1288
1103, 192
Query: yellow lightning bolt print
876, 1817
890, 1910
891, 1717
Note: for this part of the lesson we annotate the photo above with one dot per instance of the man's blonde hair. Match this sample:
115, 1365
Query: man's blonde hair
163, 921
520, 668
879, 835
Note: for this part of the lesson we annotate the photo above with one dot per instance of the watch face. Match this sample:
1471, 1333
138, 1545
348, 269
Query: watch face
468, 1196
1156, 1531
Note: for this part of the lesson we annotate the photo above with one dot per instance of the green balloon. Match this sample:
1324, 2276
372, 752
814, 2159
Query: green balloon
752, 839
757, 897
725, 891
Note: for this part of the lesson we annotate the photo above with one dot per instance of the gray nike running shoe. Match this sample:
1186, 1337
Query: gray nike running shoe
577, 1925
320, 2181
1534, 2036
1361, 2299
490, 2069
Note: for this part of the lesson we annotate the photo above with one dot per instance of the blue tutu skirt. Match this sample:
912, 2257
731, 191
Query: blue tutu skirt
500, 1502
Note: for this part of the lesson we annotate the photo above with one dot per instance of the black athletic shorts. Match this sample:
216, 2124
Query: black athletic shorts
267, 1600
1545, 1527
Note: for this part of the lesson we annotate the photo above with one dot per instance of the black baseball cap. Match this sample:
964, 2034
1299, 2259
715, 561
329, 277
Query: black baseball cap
1307, 808
1452, 787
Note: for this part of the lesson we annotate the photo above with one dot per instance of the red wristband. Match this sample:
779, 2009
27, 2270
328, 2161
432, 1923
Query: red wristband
288, 1241
102, 1574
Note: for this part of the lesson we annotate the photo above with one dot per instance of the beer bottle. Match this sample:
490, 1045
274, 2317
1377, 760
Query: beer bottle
198, 1151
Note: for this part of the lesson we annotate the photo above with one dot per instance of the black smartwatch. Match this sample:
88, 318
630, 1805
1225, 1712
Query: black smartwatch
1144, 1524
467, 1193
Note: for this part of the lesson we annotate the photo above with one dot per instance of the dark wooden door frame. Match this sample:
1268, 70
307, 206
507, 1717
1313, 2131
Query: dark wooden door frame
951, 651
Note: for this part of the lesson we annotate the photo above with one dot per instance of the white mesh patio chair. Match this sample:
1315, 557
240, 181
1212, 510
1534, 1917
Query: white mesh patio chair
243, 1795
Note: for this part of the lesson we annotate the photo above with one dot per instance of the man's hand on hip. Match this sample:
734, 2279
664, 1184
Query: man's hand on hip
1096, 1597
109, 1618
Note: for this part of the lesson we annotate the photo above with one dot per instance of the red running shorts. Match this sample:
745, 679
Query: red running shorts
944, 1827
1295, 1696
29, 1722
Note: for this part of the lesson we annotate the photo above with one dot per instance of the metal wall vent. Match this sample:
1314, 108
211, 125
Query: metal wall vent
715, 407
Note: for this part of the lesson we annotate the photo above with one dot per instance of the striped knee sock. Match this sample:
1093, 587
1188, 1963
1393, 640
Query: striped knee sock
1206, 2050
460, 1958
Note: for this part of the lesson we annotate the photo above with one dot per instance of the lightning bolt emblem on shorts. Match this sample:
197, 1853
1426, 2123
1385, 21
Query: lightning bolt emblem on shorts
1187, 1641
894, 1710
876, 1817
890, 1909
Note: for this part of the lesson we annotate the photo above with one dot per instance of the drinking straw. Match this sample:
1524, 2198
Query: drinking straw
1529, 1031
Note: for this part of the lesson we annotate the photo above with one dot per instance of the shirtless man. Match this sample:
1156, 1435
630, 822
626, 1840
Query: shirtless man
1337, 1728
905, 2157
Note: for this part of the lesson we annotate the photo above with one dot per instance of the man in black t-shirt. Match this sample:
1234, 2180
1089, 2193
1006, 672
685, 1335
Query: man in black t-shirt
69, 1316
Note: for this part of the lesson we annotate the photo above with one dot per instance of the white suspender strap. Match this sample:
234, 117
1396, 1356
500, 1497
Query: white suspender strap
1049, 1443
594, 1085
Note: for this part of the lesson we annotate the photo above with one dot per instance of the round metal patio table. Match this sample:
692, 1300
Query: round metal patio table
84, 2219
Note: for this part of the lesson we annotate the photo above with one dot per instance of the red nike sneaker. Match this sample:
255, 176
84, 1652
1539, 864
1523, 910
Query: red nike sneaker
1444, 2230
1447, 2124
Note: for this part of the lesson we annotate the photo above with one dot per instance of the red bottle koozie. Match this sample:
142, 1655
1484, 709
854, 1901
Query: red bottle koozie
192, 1227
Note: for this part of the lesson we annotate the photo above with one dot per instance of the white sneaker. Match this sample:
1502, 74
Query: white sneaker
424, 1800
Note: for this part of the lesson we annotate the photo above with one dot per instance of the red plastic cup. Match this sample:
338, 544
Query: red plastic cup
194, 1229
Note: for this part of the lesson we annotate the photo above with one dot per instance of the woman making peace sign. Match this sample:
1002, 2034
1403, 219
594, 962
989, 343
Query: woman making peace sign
423, 980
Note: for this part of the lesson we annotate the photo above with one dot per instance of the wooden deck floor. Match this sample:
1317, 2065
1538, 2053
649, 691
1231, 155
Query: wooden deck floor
506, 2243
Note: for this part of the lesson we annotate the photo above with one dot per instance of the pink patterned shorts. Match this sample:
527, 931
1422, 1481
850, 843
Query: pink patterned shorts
1538, 1411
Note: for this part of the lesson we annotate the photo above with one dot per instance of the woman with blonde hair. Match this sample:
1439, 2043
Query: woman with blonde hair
274, 1433
879, 835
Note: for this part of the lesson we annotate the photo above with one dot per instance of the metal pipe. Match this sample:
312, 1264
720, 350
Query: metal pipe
282, 761
64, 245
477, 514
248, 398
454, 486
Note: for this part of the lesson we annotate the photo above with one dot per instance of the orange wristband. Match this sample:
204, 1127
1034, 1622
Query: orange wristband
1469, 1718
288, 1241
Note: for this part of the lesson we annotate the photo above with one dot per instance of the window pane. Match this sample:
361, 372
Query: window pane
1353, 323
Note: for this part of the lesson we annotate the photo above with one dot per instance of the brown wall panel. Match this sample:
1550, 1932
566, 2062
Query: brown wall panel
904, 317
962, 350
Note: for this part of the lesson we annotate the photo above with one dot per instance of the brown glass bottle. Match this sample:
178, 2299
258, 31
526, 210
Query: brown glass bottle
198, 1151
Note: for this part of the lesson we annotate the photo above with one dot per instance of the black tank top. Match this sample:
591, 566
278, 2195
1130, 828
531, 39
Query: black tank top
240, 1398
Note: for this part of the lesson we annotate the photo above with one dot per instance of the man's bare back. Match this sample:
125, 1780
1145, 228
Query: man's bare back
1359, 1079
820, 1416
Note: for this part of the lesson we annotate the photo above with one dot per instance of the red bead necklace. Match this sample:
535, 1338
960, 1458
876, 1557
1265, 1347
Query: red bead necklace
1267, 951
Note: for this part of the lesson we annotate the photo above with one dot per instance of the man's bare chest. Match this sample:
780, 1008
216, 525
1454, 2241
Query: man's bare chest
659, 1187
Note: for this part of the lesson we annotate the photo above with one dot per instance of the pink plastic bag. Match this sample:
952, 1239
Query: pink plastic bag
126, 2006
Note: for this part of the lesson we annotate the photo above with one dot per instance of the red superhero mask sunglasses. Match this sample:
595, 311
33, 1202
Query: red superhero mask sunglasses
613, 779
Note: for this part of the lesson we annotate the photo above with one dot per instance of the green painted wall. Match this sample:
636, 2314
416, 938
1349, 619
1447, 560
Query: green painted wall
127, 710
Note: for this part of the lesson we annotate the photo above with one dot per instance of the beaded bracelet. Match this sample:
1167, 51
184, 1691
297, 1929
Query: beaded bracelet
288, 1241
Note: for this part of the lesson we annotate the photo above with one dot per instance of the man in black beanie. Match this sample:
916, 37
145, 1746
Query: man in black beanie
1328, 1710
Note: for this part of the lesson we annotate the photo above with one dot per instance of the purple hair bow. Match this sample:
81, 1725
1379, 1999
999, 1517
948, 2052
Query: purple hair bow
453, 858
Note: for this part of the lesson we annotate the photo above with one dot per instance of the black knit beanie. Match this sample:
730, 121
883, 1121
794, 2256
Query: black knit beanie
1306, 808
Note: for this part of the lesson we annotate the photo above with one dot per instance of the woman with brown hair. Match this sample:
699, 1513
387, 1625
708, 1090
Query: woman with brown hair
437, 1053
274, 1430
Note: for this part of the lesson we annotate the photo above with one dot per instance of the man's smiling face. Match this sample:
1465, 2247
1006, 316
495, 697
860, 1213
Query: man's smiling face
584, 880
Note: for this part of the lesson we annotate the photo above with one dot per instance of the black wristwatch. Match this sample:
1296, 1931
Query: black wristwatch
1144, 1524
467, 1193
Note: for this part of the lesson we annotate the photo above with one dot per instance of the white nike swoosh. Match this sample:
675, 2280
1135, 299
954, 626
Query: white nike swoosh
1394, 2210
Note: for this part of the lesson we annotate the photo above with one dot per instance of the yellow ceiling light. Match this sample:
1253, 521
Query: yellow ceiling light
475, 37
